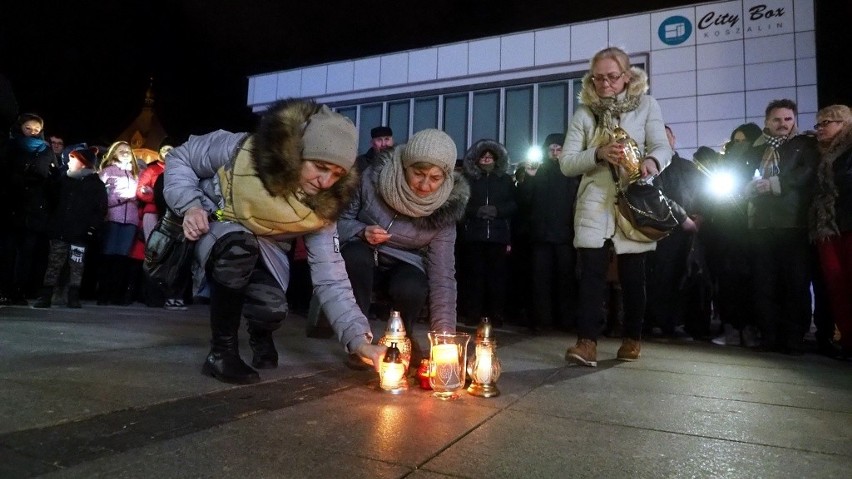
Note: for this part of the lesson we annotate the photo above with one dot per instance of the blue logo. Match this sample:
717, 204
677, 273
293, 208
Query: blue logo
675, 30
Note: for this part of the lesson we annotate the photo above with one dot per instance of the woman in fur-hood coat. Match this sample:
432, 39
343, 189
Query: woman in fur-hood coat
613, 94
290, 178
486, 230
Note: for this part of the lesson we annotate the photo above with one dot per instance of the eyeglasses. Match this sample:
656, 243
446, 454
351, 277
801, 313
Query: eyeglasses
825, 123
609, 78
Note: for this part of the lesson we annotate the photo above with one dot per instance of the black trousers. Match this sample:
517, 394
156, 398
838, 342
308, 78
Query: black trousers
235, 265
487, 278
631, 275
406, 285
781, 260
554, 285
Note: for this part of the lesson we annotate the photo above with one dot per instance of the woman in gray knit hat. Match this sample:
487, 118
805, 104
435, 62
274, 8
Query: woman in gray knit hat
289, 178
400, 228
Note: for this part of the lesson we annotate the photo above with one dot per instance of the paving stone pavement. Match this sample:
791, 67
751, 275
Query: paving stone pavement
116, 392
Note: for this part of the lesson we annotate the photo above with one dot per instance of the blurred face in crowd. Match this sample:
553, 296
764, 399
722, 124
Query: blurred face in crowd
74, 164
608, 78
553, 151
123, 153
780, 121
487, 158
826, 130
739, 137
316, 176
57, 144
31, 128
165, 151
381, 143
424, 178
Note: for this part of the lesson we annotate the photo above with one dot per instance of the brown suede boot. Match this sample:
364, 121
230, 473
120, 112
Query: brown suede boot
585, 353
629, 350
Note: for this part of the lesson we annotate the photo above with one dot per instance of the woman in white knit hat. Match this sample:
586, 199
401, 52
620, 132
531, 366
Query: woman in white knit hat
400, 228
290, 178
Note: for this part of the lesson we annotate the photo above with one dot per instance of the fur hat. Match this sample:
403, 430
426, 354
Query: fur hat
381, 131
431, 146
87, 156
330, 137
554, 139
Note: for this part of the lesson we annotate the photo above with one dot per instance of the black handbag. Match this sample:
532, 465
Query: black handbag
168, 255
643, 212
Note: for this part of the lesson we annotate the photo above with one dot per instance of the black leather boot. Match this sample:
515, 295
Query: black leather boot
224, 362
44, 297
74, 297
265, 355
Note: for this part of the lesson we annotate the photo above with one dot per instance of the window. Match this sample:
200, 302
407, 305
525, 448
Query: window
455, 120
425, 114
552, 109
486, 116
398, 120
371, 117
519, 124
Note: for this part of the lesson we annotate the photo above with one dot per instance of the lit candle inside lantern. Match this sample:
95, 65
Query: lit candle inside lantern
483, 363
445, 361
392, 374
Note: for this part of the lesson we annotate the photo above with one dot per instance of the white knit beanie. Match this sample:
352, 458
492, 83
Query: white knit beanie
431, 146
330, 137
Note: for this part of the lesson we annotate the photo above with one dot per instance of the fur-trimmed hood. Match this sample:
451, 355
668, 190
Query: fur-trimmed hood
501, 158
277, 154
451, 212
638, 86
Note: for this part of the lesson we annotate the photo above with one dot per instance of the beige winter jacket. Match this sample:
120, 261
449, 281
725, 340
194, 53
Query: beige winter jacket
594, 219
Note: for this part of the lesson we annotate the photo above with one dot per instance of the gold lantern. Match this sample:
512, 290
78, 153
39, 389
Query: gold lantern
632, 154
486, 367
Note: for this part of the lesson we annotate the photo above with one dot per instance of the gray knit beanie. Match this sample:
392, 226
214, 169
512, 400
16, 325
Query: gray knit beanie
431, 146
330, 137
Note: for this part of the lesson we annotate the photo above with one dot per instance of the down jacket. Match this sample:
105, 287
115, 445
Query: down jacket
495, 189
427, 242
594, 220
191, 179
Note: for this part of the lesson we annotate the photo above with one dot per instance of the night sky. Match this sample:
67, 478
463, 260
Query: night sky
85, 66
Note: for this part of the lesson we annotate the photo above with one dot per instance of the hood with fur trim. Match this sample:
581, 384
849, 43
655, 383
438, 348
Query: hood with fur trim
277, 156
501, 158
638, 86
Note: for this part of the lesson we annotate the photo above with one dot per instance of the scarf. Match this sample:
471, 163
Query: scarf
771, 160
606, 111
249, 203
32, 144
398, 195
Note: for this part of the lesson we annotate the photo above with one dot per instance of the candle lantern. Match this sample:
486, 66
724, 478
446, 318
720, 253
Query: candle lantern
423, 375
448, 355
486, 367
392, 372
395, 333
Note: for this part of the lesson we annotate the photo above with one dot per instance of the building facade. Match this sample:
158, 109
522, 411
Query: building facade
712, 66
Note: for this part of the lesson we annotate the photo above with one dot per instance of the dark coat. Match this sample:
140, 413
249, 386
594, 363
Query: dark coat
550, 196
494, 189
682, 182
28, 174
831, 212
78, 207
797, 177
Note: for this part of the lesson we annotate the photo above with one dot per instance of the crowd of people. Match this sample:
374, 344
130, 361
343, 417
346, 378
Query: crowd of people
453, 236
